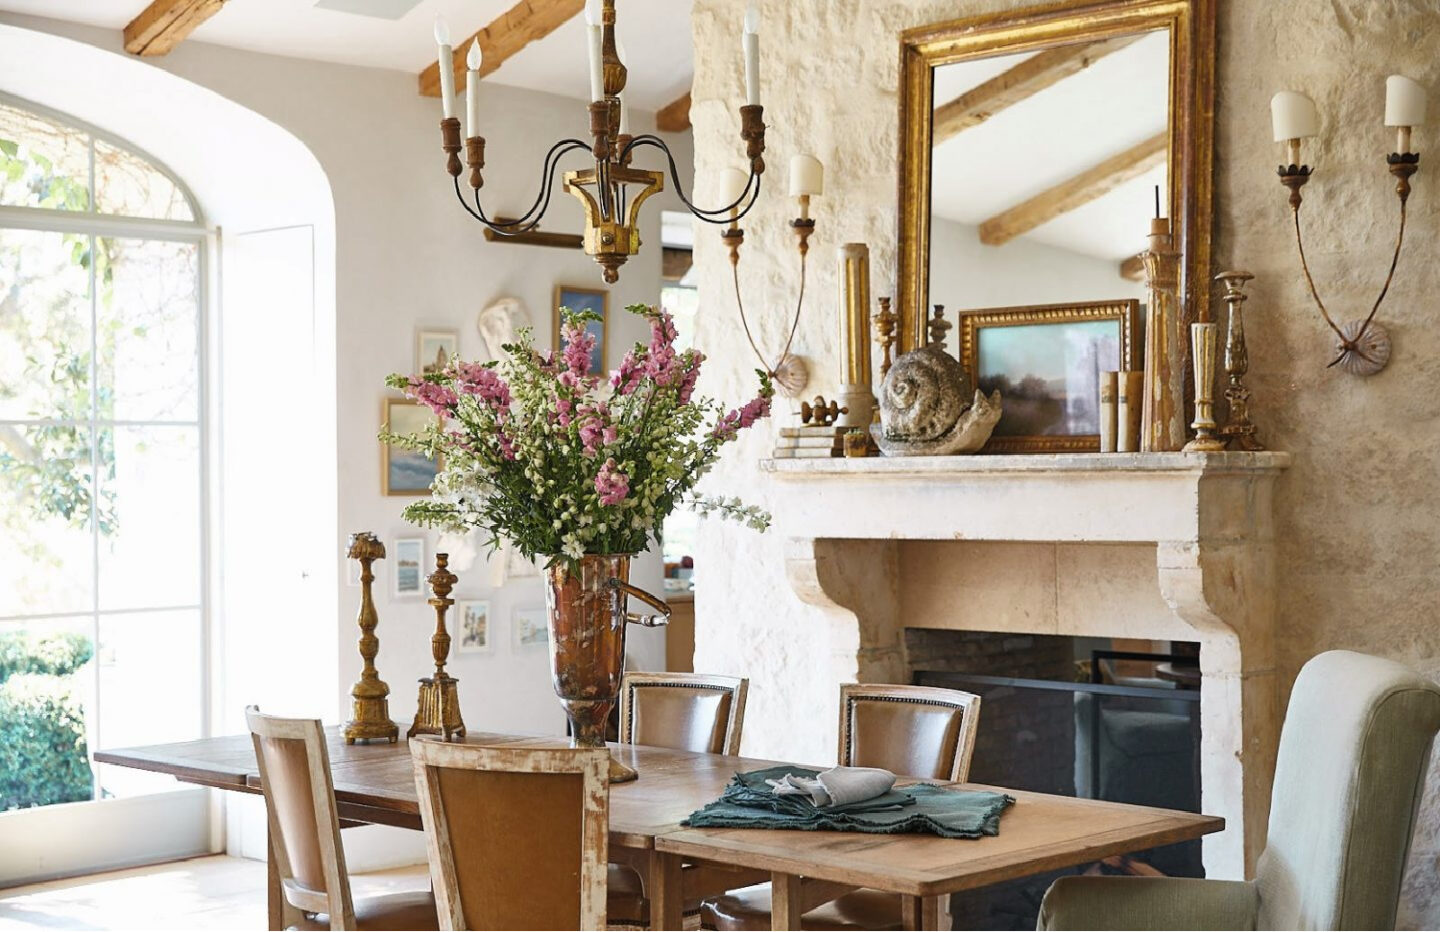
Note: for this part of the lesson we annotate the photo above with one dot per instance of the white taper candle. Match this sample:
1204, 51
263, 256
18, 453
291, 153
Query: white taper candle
750, 44
447, 67
596, 37
472, 90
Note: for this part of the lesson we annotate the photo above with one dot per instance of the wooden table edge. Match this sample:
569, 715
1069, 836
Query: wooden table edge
696, 843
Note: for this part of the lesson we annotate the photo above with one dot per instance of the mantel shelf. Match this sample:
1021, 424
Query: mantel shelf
938, 467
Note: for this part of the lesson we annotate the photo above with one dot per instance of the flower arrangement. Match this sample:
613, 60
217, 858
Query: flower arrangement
562, 463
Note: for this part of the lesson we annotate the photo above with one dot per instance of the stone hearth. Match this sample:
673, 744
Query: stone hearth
1163, 546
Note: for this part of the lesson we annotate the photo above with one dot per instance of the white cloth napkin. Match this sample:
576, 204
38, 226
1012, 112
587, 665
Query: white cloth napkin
837, 786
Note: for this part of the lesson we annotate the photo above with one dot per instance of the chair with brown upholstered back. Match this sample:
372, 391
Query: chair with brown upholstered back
517, 836
686, 711
305, 834
914, 731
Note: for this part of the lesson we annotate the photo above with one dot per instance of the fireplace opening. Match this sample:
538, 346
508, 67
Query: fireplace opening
1098, 718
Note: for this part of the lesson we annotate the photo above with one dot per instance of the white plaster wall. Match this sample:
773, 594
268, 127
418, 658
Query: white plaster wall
1356, 513
406, 255
966, 274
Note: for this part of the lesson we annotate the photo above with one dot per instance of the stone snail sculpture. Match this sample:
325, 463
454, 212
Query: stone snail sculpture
929, 407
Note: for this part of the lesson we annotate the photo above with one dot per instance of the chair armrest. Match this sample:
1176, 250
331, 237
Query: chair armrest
1148, 903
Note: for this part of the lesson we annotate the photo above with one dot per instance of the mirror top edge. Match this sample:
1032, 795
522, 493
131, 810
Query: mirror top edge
1038, 28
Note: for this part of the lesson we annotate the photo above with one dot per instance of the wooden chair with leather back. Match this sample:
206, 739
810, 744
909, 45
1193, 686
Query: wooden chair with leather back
696, 712
914, 731
517, 836
305, 835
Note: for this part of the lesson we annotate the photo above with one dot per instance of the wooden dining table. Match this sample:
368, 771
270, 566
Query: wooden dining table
375, 784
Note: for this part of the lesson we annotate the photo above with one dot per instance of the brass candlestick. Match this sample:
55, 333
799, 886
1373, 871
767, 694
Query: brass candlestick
1238, 430
1162, 414
370, 712
884, 324
437, 711
1202, 350
937, 327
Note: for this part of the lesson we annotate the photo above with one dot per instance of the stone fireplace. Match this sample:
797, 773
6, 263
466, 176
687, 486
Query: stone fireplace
1162, 546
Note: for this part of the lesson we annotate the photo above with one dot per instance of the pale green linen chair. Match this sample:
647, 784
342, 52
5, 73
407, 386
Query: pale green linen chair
1351, 768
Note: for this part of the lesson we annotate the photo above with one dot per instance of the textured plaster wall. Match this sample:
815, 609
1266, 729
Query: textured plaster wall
1359, 541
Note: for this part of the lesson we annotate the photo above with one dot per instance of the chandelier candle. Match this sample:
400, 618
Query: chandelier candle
750, 45
595, 34
447, 68
472, 90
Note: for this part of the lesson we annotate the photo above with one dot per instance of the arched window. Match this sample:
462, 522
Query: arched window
102, 458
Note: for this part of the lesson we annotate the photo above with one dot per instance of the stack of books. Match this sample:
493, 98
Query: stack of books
810, 441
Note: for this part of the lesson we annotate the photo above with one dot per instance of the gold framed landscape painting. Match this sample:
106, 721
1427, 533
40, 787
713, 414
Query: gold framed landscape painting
1046, 361
406, 472
595, 300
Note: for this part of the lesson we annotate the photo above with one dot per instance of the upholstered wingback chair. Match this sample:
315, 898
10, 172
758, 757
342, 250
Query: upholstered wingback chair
1353, 755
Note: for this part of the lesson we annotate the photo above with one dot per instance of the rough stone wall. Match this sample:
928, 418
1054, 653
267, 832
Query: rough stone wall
1359, 558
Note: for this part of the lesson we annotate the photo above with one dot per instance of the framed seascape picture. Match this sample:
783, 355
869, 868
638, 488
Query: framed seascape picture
435, 348
407, 568
531, 628
406, 472
585, 299
1046, 361
473, 624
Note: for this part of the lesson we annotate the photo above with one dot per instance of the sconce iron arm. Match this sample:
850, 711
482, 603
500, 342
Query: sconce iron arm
745, 322
1394, 261
1304, 265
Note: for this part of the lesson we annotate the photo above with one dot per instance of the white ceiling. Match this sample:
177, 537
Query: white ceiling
1052, 136
299, 29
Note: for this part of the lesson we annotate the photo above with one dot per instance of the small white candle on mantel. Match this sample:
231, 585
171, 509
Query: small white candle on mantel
750, 44
1404, 108
807, 180
732, 187
472, 90
595, 32
447, 67
1293, 117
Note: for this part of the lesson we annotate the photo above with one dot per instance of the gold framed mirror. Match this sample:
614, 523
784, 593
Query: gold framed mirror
1055, 125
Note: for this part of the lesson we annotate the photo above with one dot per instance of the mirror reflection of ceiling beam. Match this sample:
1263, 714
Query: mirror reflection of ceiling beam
164, 24
1008, 88
525, 22
1082, 189
674, 117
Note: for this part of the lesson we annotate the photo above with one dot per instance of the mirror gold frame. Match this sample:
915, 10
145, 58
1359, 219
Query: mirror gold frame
1191, 25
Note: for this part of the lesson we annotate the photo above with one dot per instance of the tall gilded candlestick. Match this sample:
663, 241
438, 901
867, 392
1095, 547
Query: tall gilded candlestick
1239, 430
885, 322
857, 398
1203, 337
437, 711
370, 708
1162, 406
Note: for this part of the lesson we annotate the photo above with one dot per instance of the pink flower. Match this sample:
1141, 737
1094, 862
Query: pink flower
594, 431
482, 381
692, 359
439, 398
736, 421
507, 446
579, 343
663, 364
611, 484
562, 412
627, 378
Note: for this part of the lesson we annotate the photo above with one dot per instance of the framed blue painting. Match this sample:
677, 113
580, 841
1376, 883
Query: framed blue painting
595, 300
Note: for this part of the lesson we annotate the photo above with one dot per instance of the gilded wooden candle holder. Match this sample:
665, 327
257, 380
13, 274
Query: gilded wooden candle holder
437, 710
370, 706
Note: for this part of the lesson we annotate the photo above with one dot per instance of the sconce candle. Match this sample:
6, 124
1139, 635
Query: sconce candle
807, 180
732, 188
472, 90
447, 67
1293, 117
1404, 108
750, 44
596, 36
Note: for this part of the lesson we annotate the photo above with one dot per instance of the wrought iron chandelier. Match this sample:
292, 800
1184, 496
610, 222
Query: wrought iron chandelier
612, 192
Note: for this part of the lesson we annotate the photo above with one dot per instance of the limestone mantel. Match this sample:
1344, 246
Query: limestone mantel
1148, 545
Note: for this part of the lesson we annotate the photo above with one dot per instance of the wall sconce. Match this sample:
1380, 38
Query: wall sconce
1362, 346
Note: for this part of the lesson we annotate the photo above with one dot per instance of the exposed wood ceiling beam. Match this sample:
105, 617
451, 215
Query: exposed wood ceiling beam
165, 23
525, 22
1008, 88
1133, 269
674, 117
1082, 189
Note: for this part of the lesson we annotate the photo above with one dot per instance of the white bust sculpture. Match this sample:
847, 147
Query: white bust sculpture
499, 322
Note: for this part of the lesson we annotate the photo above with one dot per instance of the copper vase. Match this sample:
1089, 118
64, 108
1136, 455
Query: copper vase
586, 601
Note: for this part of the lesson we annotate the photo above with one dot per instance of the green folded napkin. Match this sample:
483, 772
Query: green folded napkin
748, 802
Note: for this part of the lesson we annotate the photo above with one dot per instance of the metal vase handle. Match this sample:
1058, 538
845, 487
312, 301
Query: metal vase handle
646, 621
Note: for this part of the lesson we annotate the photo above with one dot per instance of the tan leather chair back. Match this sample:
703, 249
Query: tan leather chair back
517, 836
915, 731
300, 801
686, 711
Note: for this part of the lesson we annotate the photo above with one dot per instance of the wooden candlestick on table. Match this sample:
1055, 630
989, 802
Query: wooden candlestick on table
437, 711
370, 712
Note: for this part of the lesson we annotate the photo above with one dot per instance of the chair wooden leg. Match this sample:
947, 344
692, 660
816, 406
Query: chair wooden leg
663, 885
786, 908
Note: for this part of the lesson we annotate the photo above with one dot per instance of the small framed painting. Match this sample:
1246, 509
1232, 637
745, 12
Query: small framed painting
473, 624
434, 349
407, 568
586, 299
532, 629
1046, 361
406, 472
